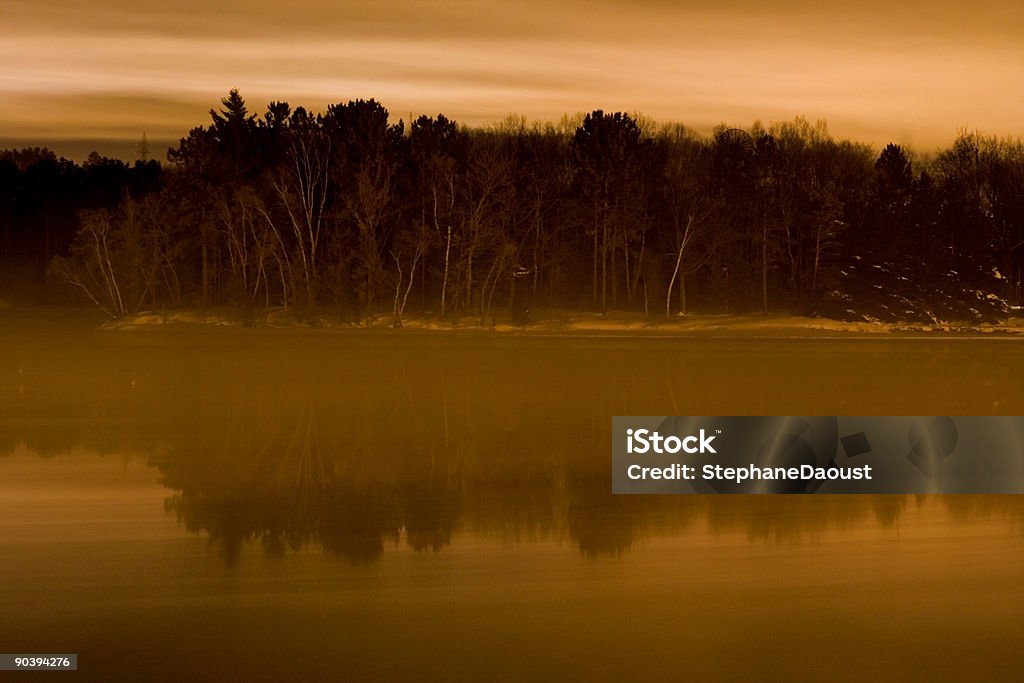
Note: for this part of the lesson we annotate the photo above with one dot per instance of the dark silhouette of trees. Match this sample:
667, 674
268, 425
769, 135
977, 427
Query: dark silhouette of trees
609, 153
368, 154
893, 190
41, 197
819, 183
300, 185
438, 160
738, 182
981, 180
543, 173
125, 258
351, 212
688, 202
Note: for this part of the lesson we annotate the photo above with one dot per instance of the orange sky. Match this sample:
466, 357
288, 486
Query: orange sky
109, 69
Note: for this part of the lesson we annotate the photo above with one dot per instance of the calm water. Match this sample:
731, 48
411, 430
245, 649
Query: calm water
267, 505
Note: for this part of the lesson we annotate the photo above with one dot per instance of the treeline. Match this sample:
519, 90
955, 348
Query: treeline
41, 199
344, 210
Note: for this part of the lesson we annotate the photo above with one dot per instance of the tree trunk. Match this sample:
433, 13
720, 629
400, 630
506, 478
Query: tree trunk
682, 293
444, 280
604, 266
672, 282
764, 265
817, 258
206, 260
595, 261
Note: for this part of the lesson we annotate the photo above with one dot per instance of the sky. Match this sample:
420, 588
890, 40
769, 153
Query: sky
99, 74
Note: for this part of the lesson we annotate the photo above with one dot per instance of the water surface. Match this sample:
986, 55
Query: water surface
274, 504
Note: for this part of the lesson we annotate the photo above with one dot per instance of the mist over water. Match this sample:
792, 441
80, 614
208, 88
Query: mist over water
247, 504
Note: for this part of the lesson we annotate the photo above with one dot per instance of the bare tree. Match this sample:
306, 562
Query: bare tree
418, 247
487, 211
118, 258
302, 189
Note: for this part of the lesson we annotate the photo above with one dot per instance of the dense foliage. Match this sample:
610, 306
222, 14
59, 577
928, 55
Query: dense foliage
345, 210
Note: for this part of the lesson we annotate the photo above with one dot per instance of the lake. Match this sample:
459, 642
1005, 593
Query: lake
238, 504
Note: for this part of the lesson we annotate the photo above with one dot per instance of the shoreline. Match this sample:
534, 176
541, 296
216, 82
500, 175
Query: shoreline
570, 324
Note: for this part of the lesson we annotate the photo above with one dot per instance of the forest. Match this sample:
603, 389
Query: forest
348, 213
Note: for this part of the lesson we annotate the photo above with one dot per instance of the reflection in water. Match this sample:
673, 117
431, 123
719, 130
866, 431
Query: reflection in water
306, 493
293, 491
299, 498
396, 507
290, 490
350, 443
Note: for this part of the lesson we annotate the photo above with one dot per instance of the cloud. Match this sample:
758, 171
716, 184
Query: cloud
872, 70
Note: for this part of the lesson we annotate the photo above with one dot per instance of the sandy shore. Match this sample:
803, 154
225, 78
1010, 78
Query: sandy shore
556, 322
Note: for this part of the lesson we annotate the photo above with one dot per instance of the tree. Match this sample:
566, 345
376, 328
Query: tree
301, 186
367, 156
741, 179
818, 184
437, 149
234, 131
1007, 202
688, 202
122, 258
609, 153
486, 216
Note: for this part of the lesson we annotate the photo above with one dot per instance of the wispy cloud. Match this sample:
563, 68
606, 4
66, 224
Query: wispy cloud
914, 73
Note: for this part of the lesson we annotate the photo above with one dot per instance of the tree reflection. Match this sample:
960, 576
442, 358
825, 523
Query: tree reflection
600, 524
351, 444
271, 478
353, 523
